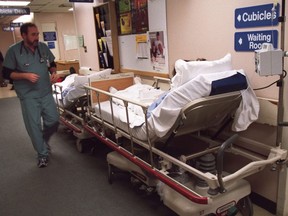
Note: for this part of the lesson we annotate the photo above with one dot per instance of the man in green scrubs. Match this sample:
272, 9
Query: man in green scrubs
28, 64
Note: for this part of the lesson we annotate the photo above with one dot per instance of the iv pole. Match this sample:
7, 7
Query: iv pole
280, 114
283, 174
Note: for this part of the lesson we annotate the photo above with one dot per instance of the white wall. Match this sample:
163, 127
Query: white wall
85, 23
65, 26
6, 40
206, 29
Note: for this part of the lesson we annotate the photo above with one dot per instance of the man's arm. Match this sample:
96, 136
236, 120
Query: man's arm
14, 75
52, 69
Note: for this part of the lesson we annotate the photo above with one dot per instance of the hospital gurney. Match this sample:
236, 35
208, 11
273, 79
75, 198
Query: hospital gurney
71, 100
191, 183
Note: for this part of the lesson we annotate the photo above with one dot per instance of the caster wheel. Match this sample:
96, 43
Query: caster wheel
245, 206
79, 145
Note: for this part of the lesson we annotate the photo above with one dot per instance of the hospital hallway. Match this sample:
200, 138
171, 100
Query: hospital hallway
73, 184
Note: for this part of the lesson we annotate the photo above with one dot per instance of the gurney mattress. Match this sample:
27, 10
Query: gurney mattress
165, 114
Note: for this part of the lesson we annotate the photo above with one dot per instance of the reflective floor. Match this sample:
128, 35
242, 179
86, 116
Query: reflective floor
6, 92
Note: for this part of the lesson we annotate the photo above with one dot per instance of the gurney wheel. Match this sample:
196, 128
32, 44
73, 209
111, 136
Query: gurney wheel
79, 145
245, 206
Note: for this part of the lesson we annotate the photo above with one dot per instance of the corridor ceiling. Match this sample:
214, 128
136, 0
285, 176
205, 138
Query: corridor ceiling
39, 6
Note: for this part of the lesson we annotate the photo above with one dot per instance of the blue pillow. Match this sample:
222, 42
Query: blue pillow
229, 84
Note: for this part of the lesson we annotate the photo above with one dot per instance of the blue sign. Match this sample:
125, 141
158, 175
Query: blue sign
251, 41
14, 11
49, 36
256, 16
19, 24
7, 29
51, 45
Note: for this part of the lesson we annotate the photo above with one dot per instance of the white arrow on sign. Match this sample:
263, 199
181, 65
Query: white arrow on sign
240, 41
239, 18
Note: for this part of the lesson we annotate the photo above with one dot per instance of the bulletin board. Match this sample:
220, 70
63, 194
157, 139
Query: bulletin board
135, 50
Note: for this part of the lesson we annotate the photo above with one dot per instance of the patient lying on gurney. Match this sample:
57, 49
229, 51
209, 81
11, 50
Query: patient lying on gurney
72, 86
192, 81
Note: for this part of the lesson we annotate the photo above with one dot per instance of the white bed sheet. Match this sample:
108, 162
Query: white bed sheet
140, 93
70, 96
73, 86
138, 132
165, 114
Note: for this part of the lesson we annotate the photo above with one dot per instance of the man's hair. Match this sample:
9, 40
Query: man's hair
25, 26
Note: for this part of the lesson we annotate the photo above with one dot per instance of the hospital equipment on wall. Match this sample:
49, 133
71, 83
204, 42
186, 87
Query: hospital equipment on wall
268, 61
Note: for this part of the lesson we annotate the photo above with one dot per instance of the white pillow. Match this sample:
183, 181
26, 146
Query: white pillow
68, 82
82, 80
102, 73
186, 71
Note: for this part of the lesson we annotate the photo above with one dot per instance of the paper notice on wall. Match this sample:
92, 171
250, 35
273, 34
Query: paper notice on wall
142, 46
71, 42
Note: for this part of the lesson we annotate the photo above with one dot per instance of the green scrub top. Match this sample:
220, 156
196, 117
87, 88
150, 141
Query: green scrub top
21, 59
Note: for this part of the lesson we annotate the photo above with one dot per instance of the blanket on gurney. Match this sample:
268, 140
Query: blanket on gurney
165, 107
73, 86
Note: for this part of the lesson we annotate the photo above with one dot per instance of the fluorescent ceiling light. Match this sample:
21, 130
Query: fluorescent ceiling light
14, 3
70, 9
24, 18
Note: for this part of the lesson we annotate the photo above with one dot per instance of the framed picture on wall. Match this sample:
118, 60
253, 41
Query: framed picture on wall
132, 16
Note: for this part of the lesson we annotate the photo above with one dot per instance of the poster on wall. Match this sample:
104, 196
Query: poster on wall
140, 20
124, 6
157, 49
132, 16
125, 23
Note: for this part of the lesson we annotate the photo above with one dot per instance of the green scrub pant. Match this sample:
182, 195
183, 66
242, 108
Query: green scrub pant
41, 120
